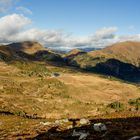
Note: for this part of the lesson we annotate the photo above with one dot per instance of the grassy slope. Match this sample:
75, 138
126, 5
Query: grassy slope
28, 89
121, 60
27, 51
128, 52
31, 89
72, 95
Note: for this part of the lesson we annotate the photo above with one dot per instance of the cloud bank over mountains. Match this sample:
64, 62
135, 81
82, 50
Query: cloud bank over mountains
17, 27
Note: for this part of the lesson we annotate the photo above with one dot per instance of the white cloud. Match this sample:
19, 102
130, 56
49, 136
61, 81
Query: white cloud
13, 28
106, 32
24, 10
11, 25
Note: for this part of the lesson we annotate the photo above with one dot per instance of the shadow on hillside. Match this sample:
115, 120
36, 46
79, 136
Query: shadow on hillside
42, 55
110, 67
116, 68
117, 129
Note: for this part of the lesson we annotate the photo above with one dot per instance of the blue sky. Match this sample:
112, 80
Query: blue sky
83, 17
70, 23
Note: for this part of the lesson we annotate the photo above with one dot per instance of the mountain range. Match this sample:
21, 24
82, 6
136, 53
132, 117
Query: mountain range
121, 59
42, 90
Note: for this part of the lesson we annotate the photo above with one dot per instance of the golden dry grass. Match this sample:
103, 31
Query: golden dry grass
93, 88
128, 52
69, 95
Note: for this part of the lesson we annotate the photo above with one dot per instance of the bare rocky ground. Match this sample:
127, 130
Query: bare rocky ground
120, 126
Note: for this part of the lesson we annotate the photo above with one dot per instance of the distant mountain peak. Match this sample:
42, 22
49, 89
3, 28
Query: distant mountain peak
74, 52
27, 46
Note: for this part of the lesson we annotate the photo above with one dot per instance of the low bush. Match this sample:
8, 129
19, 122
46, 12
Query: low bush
116, 105
135, 103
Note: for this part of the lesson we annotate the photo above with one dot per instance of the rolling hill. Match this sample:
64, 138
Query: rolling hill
35, 90
121, 60
27, 50
127, 52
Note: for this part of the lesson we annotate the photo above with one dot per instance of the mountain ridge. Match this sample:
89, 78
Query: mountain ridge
128, 52
121, 59
27, 50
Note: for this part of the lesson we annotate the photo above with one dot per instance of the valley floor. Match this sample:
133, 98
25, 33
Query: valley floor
31, 93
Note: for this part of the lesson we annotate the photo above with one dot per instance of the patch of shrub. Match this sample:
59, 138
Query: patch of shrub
20, 113
32, 69
135, 103
116, 105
